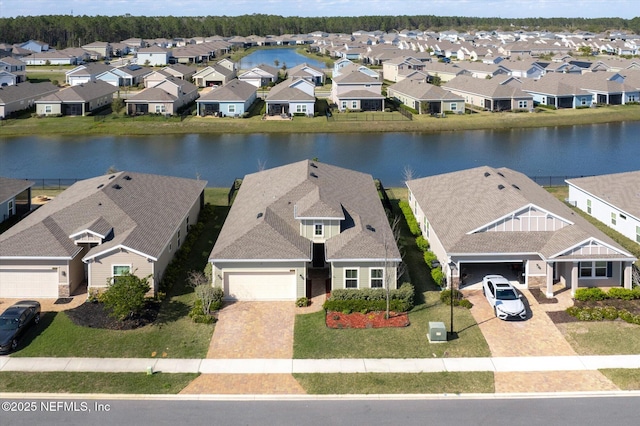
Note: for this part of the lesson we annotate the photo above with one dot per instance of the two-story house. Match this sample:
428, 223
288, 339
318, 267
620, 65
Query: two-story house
357, 88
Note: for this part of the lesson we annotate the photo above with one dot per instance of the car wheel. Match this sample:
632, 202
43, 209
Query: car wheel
36, 319
14, 344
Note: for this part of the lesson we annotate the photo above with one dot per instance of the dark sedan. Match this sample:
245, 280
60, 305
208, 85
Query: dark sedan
15, 321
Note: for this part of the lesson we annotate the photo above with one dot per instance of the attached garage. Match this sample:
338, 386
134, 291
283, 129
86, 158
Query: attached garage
260, 285
28, 283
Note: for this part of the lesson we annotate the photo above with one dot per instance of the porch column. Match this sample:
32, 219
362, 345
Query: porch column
549, 271
574, 277
628, 281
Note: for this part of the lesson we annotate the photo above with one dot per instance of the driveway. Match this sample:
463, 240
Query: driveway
536, 336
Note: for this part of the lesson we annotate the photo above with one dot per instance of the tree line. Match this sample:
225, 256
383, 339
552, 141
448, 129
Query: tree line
61, 31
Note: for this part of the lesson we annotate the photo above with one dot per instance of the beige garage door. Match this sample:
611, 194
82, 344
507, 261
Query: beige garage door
27, 283
260, 285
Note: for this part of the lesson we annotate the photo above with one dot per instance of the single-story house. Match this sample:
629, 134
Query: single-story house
51, 58
77, 100
86, 73
489, 220
233, 99
612, 199
260, 76
292, 96
23, 96
15, 67
166, 97
558, 90
15, 197
180, 71
424, 97
126, 75
496, 94
289, 219
97, 229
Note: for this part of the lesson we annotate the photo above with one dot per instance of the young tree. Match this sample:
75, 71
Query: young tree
211, 297
125, 295
117, 105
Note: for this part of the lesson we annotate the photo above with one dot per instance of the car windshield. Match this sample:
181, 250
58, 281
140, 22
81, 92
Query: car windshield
506, 294
8, 323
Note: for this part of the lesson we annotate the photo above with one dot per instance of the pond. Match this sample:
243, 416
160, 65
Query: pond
287, 56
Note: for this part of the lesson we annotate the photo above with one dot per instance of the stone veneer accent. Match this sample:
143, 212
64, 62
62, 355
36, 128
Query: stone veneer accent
63, 290
537, 282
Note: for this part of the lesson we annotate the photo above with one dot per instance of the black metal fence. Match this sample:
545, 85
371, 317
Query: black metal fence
554, 180
53, 183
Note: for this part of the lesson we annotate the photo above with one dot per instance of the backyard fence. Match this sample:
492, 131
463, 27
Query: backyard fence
554, 180
53, 183
374, 116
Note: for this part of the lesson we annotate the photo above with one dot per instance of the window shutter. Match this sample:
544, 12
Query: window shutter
609, 269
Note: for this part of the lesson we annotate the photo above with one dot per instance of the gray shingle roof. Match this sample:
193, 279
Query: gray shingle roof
9, 188
262, 222
235, 90
152, 94
81, 92
458, 203
25, 90
619, 189
422, 90
285, 92
144, 211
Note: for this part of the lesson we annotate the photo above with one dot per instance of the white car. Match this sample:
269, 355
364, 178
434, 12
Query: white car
504, 299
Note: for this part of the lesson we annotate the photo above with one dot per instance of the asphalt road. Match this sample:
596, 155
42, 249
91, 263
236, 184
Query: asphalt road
584, 411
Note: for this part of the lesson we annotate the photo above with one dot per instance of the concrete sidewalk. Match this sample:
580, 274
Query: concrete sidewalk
289, 366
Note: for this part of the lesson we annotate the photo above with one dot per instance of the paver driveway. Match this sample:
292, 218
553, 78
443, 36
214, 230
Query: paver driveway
536, 336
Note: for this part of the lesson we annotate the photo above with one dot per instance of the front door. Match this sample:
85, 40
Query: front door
318, 255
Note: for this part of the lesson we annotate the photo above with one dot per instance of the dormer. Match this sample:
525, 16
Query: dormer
95, 232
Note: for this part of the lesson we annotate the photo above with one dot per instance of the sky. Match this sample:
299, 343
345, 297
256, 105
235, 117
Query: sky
476, 8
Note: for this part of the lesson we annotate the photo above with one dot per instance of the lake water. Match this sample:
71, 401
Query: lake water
287, 56
555, 151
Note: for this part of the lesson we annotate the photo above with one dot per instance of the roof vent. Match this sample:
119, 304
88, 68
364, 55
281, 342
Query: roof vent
111, 177
371, 228
313, 165
500, 174
501, 187
127, 177
515, 186
313, 175
487, 174
116, 186
101, 185
259, 215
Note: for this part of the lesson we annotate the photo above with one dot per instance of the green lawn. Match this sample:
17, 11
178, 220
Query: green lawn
388, 383
624, 378
602, 337
173, 335
114, 383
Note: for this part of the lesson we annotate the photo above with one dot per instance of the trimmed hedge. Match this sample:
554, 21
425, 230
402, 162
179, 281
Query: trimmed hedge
422, 243
370, 299
438, 276
595, 293
410, 218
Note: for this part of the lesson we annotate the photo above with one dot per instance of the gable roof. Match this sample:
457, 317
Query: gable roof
143, 210
287, 91
9, 188
498, 88
235, 90
461, 206
81, 92
262, 223
621, 190
421, 90
25, 90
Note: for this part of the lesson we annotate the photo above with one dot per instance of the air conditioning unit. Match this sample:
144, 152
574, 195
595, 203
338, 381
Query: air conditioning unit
572, 203
437, 332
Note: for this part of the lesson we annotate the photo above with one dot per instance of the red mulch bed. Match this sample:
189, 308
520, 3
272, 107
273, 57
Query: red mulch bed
369, 320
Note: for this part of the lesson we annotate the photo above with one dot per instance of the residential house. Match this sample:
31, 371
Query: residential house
155, 77
612, 199
489, 220
608, 88
167, 97
557, 90
126, 75
482, 70
22, 96
180, 71
524, 69
153, 56
260, 76
35, 46
15, 197
100, 50
15, 67
86, 73
307, 72
398, 68
82, 99
442, 71
357, 88
233, 99
291, 97
496, 94
7, 79
214, 75
290, 219
96, 230
425, 98
51, 58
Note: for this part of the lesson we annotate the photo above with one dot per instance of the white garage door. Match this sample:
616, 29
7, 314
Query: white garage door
27, 283
260, 285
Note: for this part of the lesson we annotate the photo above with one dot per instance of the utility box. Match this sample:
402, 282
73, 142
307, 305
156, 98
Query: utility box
437, 332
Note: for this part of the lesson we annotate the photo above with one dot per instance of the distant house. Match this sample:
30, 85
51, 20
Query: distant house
233, 99
496, 94
213, 75
96, 230
35, 46
154, 56
612, 199
15, 197
357, 88
443, 72
180, 71
86, 73
51, 58
100, 50
20, 97
557, 90
82, 99
260, 76
425, 98
396, 69
126, 75
15, 67
307, 72
166, 97
292, 96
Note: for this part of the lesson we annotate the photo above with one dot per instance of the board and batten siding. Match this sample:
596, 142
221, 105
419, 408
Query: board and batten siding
331, 228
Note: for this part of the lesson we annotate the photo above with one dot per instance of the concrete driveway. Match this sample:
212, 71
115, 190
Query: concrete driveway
536, 336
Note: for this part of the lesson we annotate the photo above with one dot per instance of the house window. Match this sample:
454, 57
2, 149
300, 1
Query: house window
377, 278
160, 109
638, 234
589, 206
354, 104
232, 109
522, 104
426, 227
47, 109
453, 106
10, 208
632, 98
613, 218
351, 278
583, 101
318, 230
595, 269
301, 108
344, 104
120, 270
170, 247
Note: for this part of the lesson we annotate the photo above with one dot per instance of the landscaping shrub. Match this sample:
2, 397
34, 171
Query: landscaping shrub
429, 257
458, 299
363, 306
197, 316
126, 295
422, 243
438, 276
629, 317
302, 302
410, 218
371, 299
623, 293
593, 293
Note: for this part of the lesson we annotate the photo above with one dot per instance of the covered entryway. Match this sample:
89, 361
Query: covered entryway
260, 285
28, 283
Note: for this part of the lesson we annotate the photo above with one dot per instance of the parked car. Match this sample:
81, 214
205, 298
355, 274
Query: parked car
15, 321
503, 297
